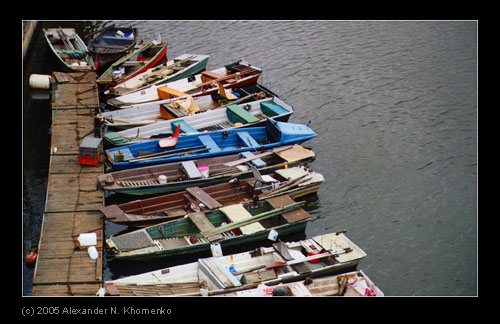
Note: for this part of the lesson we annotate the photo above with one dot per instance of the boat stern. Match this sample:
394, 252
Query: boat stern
290, 133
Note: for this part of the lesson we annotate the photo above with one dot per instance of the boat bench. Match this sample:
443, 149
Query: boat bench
241, 115
218, 275
248, 139
190, 169
237, 213
211, 75
204, 197
257, 161
272, 109
210, 144
185, 127
117, 40
66, 51
201, 221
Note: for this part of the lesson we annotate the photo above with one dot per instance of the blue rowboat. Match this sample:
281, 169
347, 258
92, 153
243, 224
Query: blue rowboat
210, 144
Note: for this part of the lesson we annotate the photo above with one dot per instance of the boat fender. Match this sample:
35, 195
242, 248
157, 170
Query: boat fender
39, 81
32, 255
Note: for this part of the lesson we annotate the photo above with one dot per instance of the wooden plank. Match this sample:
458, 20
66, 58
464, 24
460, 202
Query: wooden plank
73, 192
237, 213
211, 264
204, 197
283, 250
60, 259
75, 95
258, 276
293, 216
201, 221
203, 224
73, 198
72, 289
69, 128
69, 164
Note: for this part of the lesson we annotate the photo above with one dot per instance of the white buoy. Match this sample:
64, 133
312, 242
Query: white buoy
39, 81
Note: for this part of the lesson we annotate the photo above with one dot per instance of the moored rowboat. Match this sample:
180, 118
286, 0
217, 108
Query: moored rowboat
69, 49
110, 43
136, 62
230, 76
210, 144
294, 182
229, 226
180, 67
181, 175
321, 255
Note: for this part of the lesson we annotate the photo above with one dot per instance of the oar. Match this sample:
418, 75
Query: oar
280, 264
162, 155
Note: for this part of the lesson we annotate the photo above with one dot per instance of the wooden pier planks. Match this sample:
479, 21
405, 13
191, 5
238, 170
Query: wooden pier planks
73, 197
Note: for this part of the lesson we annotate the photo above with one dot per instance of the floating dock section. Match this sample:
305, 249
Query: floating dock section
73, 197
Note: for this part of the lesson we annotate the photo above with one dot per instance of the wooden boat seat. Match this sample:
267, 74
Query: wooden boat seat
166, 92
293, 216
204, 197
117, 40
272, 109
218, 275
239, 114
257, 162
190, 169
203, 224
237, 213
185, 127
209, 75
284, 251
66, 51
209, 142
248, 139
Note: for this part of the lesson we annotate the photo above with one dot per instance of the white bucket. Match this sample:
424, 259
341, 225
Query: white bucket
216, 249
39, 81
93, 252
162, 179
273, 235
86, 239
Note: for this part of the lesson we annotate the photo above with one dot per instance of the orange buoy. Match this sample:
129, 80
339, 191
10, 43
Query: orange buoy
31, 256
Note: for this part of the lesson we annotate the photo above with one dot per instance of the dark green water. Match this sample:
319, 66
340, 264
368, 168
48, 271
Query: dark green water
394, 105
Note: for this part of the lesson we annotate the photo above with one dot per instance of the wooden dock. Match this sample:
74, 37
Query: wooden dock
73, 197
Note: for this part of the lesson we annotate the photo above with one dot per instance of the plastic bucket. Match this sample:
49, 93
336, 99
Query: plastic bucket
313, 260
162, 179
204, 170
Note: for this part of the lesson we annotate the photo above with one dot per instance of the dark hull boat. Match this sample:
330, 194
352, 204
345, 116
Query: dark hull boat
229, 226
294, 182
177, 176
111, 43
